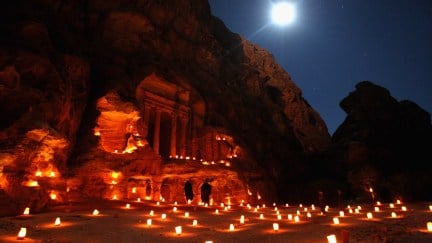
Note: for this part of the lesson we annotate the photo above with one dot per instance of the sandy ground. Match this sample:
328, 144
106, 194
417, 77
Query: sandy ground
118, 224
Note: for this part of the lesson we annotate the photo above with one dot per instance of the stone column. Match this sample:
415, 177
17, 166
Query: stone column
183, 124
146, 120
173, 146
156, 131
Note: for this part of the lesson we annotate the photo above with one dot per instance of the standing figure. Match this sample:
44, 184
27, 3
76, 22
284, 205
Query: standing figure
205, 192
188, 191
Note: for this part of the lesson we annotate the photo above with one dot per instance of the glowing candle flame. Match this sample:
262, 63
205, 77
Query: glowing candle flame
290, 217
376, 209
189, 201
149, 222
404, 208
279, 217
296, 219
391, 205
194, 222
308, 215
127, 205
231, 227
53, 196
157, 203
174, 209
22, 233
175, 203
430, 207
38, 173
242, 218
369, 215
52, 174
341, 213
163, 216
151, 213
357, 210
261, 216
335, 220
331, 238
398, 201
429, 226
208, 241
313, 207
350, 210
378, 203
186, 214
114, 197
134, 190
138, 199
57, 222
275, 226
26, 211
393, 215
216, 211
178, 230
95, 212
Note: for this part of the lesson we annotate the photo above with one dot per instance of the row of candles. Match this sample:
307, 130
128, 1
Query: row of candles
178, 229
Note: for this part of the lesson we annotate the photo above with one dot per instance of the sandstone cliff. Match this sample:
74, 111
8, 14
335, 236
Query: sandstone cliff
60, 59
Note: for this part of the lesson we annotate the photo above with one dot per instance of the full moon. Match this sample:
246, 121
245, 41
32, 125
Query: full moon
282, 13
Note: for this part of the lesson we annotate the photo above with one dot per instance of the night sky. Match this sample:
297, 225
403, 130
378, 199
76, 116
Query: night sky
334, 44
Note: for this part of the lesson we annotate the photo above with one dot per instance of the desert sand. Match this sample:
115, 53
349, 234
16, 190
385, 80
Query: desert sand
116, 223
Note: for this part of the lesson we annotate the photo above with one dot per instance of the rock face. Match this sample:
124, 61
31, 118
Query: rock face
115, 95
384, 144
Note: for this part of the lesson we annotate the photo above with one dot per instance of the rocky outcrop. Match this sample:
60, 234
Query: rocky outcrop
142, 64
384, 144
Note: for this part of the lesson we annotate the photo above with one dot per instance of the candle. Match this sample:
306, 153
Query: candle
391, 205
331, 238
95, 212
335, 220
341, 213
186, 214
242, 219
26, 211
296, 219
151, 213
178, 230
350, 210
404, 208
149, 222
313, 207
398, 201
22, 233
376, 209
231, 227
174, 209
157, 203
57, 221
290, 217
393, 215
279, 217
430, 207
127, 205
378, 203
308, 215
138, 199
134, 190
216, 211
163, 216
369, 215
261, 216
275, 226
194, 222
429, 226
357, 210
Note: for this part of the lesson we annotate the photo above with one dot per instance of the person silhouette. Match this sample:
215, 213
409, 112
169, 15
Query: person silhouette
205, 192
188, 191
